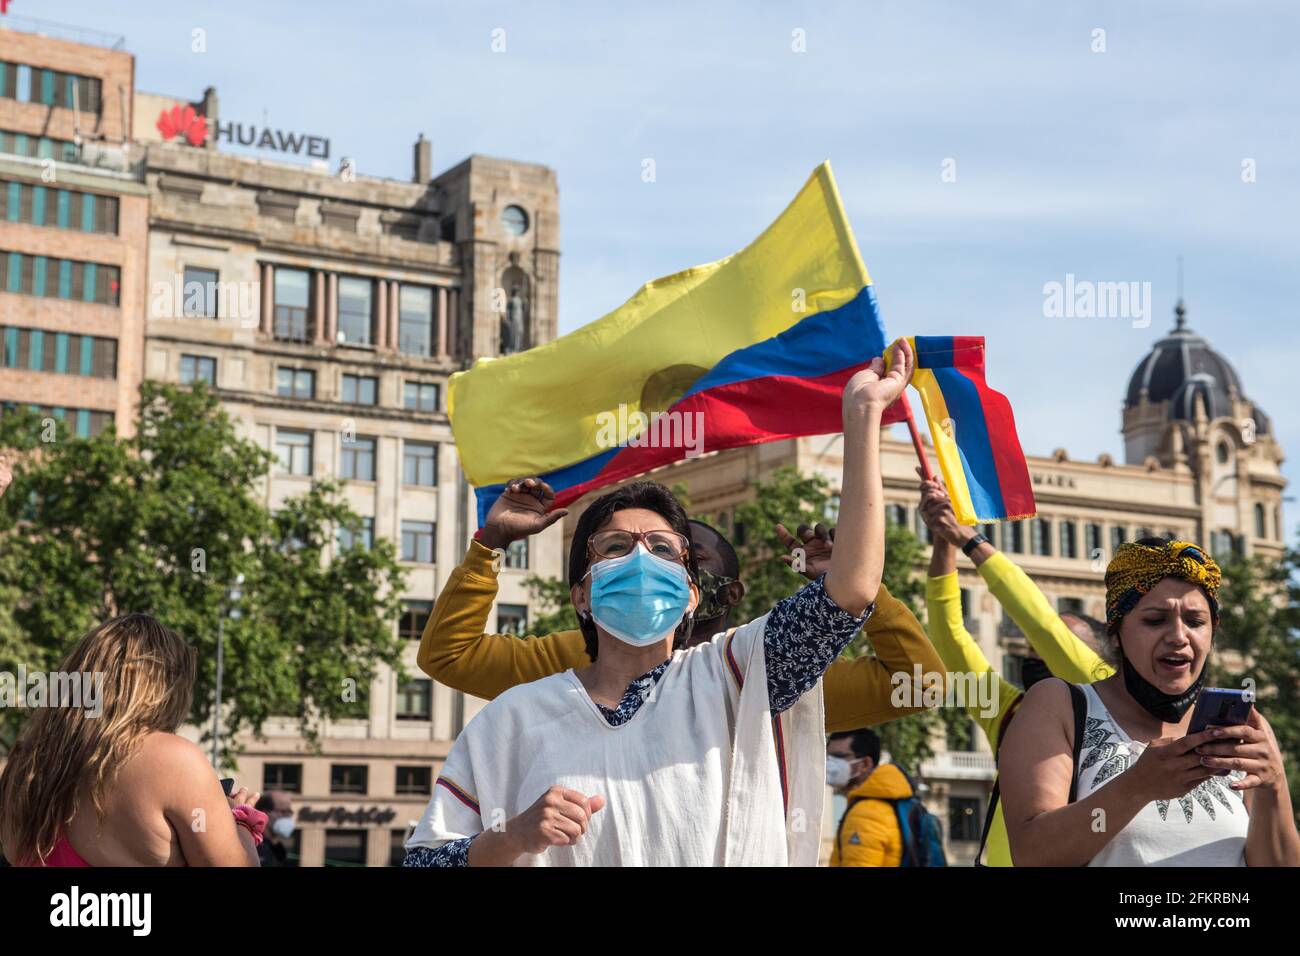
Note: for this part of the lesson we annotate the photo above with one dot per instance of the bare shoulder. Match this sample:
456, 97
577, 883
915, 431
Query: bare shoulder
1046, 706
167, 762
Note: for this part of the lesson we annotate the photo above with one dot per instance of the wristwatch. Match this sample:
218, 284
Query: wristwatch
973, 543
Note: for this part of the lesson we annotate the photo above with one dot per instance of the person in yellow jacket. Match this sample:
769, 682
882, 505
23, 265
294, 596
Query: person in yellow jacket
1065, 644
457, 650
868, 833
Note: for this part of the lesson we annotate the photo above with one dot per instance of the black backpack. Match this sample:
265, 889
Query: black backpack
1080, 704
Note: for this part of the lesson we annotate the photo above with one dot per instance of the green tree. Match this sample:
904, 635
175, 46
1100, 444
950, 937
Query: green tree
164, 522
1260, 601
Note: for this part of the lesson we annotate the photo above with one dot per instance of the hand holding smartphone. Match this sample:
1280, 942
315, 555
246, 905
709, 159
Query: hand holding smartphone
1220, 707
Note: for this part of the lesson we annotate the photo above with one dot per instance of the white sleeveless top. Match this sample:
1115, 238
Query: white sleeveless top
1207, 827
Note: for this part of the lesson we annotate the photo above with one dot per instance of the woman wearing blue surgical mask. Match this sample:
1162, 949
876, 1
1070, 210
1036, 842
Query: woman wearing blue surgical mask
657, 754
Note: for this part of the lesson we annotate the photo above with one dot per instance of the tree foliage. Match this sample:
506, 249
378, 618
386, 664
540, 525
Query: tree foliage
164, 522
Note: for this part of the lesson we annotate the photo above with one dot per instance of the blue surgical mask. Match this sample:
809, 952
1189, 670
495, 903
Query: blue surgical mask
639, 598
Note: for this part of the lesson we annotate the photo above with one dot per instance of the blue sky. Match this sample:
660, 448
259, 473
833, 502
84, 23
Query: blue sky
1106, 165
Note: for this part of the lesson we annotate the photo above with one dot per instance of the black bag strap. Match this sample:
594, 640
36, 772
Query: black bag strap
1078, 704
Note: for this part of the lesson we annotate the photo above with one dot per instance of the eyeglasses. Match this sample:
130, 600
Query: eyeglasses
668, 545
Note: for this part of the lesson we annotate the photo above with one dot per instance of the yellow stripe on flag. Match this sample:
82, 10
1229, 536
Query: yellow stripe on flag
537, 411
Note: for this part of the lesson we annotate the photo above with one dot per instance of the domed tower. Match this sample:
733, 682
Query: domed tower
1186, 408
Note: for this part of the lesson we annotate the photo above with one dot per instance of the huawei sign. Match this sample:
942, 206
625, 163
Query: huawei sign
184, 122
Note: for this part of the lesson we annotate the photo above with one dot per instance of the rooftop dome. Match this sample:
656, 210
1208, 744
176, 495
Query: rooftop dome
1181, 366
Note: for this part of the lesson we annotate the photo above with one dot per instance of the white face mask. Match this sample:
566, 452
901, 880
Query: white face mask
283, 827
838, 771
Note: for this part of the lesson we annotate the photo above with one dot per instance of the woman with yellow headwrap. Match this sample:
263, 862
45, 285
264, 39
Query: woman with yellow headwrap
1146, 791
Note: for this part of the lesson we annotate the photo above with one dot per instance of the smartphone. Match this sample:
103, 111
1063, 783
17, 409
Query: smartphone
227, 784
1219, 707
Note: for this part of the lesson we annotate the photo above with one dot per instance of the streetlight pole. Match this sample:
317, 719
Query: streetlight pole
233, 595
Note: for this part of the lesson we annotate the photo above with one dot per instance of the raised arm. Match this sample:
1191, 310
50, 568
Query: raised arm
860, 692
959, 650
456, 648
1065, 655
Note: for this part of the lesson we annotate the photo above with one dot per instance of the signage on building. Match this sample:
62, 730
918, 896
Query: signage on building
371, 815
185, 122
317, 147
1056, 481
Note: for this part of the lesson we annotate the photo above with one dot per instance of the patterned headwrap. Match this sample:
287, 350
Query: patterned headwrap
1137, 568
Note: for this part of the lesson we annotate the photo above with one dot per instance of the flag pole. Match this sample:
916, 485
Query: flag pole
926, 471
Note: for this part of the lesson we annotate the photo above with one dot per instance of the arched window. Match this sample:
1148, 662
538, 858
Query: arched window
1222, 452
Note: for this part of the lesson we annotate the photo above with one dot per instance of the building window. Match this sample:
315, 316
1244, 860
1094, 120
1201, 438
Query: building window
198, 368
1092, 539
1013, 537
896, 514
66, 279
292, 301
358, 459
419, 464
396, 847
360, 389
512, 619
1118, 535
1261, 523
964, 820
282, 776
356, 312
1222, 452
831, 512
1040, 536
345, 847
414, 780
965, 605
517, 555
349, 777
62, 353
199, 293
415, 614
36, 147
990, 531
417, 541
415, 320
293, 448
1069, 542
57, 208
295, 382
363, 538
420, 396
415, 700
1070, 605
923, 530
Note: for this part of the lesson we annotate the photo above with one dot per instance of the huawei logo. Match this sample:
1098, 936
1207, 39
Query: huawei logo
183, 121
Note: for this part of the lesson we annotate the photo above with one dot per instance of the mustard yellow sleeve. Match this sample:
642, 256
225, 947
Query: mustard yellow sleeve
456, 649
1065, 655
859, 692
961, 655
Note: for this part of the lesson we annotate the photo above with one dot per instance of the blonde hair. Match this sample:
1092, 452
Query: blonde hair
147, 673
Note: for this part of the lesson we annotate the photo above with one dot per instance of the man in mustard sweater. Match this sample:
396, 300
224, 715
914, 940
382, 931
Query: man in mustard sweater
1066, 644
457, 651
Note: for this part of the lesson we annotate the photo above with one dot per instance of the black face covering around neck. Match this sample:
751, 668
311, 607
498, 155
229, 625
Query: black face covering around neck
1166, 707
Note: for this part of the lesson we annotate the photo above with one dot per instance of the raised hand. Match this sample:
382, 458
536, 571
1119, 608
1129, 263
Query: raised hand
815, 545
874, 386
937, 513
519, 512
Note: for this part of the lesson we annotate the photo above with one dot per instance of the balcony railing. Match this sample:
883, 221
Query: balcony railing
960, 765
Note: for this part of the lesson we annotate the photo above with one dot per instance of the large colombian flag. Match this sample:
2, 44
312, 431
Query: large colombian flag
760, 344
973, 430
